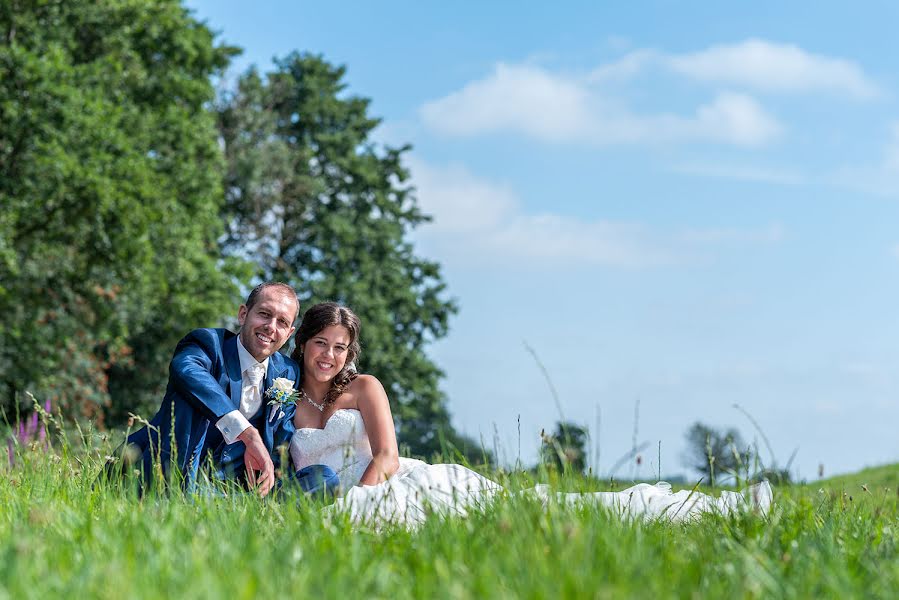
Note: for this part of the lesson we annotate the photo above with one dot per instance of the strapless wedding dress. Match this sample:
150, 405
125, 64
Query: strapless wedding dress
418, 488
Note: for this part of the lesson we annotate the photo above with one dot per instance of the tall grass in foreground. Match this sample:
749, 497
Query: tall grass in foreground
60, 534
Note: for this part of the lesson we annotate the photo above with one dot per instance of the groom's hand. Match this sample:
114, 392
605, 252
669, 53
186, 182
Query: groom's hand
256, 458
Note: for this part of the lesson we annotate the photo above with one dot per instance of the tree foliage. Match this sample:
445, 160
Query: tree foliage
312, 200
135, 205
566, 448
715, 453
110, 185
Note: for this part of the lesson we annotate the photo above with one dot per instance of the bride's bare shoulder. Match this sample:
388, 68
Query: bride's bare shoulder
365, 385
364, 382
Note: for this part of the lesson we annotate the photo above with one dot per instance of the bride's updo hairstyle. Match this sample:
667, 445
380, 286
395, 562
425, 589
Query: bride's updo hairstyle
317, 318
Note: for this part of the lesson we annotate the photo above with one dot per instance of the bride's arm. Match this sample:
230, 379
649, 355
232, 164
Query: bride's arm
372, 403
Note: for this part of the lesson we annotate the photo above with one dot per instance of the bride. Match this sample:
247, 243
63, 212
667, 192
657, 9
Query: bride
343, 421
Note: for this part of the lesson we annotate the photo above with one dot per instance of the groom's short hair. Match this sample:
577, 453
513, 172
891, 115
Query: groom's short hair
288, 290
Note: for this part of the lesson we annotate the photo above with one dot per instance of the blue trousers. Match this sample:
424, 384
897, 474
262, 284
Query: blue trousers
318, 480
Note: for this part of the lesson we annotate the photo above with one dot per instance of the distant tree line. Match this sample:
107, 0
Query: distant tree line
722, 454
136, 203
715, 454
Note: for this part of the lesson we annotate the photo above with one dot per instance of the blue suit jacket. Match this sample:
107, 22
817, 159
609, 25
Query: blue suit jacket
204, 385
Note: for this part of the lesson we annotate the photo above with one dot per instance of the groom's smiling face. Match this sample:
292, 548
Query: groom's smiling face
268, 324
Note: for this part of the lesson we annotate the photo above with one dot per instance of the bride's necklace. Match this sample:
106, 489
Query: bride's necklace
320, 407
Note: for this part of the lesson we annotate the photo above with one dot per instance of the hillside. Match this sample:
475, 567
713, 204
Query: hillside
874, 478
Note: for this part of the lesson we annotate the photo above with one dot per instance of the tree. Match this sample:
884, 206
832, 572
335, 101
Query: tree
566, 448
315, 202
714, 453
110, 186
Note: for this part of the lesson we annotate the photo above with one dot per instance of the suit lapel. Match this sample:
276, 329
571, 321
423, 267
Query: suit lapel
232, 367
276, 368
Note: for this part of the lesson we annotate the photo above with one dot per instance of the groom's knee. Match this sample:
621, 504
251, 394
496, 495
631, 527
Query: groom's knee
317, 480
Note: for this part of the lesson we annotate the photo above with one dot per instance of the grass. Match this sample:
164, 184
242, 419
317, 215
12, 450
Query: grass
871, 479
61, 535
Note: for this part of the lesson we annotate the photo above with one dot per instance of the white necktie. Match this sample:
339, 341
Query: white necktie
251, 397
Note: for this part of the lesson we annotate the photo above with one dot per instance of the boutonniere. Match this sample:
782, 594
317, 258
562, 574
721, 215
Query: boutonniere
281, 393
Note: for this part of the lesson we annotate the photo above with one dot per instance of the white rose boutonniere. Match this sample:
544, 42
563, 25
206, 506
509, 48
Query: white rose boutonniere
281, 393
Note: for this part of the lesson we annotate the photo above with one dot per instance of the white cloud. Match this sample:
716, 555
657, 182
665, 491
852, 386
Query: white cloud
554, 108
480, 222
625, 67
772, 67
582, 108
458, 201
737, 118
895, 251
564, 240
521, 98
753, 64
730, 118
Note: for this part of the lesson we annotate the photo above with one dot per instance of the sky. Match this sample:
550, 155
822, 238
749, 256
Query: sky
688, 211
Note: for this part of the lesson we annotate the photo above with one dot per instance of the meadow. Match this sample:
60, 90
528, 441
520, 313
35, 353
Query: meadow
60, 534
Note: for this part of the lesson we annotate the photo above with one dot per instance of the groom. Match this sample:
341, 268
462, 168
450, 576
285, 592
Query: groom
216, 403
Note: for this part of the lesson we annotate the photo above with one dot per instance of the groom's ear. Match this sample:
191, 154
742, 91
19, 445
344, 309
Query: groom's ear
242, 314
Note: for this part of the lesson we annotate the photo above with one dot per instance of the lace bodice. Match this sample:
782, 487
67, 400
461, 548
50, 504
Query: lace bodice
341, 445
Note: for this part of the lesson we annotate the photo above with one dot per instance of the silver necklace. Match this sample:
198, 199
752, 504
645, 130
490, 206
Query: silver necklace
320, 407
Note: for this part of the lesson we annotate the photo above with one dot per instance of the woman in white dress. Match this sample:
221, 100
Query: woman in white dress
343, 421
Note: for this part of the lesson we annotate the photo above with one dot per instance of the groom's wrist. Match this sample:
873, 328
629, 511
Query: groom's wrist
232, 425
250, 437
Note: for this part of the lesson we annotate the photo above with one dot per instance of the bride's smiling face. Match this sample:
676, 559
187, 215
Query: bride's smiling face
325, 353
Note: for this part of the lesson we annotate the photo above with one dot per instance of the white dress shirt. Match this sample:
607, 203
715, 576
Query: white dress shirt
235, 422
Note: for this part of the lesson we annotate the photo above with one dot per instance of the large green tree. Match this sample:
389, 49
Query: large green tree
314, 201
110, 189
566, 448
717, 453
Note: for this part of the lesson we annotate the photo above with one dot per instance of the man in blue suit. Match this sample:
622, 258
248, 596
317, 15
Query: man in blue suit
216, 403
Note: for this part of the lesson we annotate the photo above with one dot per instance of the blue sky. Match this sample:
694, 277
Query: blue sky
679, 204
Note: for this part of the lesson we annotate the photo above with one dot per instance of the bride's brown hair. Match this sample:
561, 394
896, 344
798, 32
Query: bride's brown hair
317, 318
